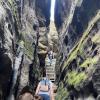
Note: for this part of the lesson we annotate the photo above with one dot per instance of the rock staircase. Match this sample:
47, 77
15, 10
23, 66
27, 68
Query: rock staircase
50, 69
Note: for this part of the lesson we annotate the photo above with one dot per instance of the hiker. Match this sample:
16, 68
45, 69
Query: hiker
44, 89
26, 94
50, 56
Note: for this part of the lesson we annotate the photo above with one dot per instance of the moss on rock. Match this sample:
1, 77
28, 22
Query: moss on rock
62, 92
75, 78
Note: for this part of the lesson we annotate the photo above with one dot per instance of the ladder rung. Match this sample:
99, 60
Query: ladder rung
50, 65
52, 79
50, 71
50, 68
49, 62
47, 71
50, 75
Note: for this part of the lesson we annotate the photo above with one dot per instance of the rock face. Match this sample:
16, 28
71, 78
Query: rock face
20, 21
43, 16
78, 30
43, 12
78, 26
6, 50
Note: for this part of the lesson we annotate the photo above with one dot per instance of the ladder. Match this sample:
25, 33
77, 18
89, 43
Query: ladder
50, 69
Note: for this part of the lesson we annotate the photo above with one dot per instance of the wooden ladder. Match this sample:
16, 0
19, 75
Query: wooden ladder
50, 69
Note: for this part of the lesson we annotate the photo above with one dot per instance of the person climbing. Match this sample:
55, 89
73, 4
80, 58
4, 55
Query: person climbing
44, 89
50, 56
25, 94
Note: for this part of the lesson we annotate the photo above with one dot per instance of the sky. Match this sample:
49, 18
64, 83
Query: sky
52, 9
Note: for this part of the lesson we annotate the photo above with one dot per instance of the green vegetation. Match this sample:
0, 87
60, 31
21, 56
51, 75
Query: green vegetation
10, 1
14, 9
89, 61
75, 78
62, 93
96, 38
86, 62
28, 49
77, 47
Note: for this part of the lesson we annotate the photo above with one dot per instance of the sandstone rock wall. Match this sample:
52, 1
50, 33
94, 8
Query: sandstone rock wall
19, 20
77, 45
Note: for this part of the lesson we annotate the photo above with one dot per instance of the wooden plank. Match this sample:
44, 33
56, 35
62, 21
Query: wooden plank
50, 71
47, 71
50, 68
50, 75
50, 65
52, 80
53, 74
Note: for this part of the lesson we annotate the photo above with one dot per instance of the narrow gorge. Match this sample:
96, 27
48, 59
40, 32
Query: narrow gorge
28, 30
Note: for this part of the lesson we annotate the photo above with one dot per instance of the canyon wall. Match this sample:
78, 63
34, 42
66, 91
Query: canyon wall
79, 30
20, 22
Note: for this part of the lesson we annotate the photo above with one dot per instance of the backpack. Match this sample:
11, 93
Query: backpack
44, 86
